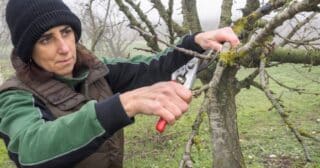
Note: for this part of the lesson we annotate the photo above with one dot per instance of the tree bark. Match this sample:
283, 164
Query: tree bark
251, 5
190, 15
151, 41
167, 18
222, 111
226, 13
223, 122
297, 56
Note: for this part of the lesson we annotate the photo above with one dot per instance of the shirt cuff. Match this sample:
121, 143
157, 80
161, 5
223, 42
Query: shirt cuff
111, 114
189, 43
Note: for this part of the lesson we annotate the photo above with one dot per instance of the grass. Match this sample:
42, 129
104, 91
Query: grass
265, 140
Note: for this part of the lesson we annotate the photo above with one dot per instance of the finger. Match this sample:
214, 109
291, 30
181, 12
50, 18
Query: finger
182, 92
173, 109
234, 41
153, 107
172, 104
166, 115
228, 35
215, 45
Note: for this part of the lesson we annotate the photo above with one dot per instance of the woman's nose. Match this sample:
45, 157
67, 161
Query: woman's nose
63, 47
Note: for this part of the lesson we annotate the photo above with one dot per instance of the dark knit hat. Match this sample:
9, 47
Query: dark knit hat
29, 19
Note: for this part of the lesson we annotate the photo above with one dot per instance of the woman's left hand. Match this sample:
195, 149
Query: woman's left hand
215, 38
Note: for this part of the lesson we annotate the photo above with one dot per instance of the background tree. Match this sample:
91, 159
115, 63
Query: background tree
105, 33
259, 49
4, 33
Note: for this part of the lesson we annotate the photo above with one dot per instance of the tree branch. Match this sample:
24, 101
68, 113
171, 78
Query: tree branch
296, 28
299, 91
245, 24
143, 18
298, 56
151, 42
293, 8
164, 14
186, 161
280, 109
245, 83
186, 51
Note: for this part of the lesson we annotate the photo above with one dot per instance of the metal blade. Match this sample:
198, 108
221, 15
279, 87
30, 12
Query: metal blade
186, 74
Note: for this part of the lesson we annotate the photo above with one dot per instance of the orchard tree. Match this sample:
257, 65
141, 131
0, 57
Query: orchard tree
4, 32
261, 45
104, 31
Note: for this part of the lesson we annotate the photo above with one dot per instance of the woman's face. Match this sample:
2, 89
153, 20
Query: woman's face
55, 51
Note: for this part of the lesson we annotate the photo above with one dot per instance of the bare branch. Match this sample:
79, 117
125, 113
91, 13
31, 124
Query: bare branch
170, 26
299, 91
143, 17
296, 28
305, 76
245, 83
164, 14
294, 8
245, 24
299, 42
186, 161
151, 40
280, 109
186, 51
145, 50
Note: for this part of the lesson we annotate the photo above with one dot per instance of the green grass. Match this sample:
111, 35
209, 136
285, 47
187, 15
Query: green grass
261, 130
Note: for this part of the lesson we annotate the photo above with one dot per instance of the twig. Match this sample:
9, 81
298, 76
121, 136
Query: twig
214, 81
283, 85
300, 42
145, 50
198, 92
245, 83
186, 51
299, 91
186, 161
204, 88
280, 109
313, 80
293, 8
303, 133
296, 28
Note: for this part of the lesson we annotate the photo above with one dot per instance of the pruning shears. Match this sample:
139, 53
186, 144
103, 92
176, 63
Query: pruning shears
185, 75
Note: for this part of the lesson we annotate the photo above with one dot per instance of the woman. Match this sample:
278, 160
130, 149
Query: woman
65, 107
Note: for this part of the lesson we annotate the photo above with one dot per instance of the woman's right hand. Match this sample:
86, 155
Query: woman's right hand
169, 100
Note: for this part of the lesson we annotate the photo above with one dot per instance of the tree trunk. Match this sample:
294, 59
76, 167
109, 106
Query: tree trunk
190, 15
251, 5
223, 122
226, 13
222, 111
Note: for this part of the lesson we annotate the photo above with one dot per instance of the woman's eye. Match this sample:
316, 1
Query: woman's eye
45, 40
66, 32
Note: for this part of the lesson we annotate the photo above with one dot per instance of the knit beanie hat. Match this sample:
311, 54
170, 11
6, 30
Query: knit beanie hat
29, 19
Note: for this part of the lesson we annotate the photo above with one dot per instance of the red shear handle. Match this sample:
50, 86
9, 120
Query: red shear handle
161, 125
